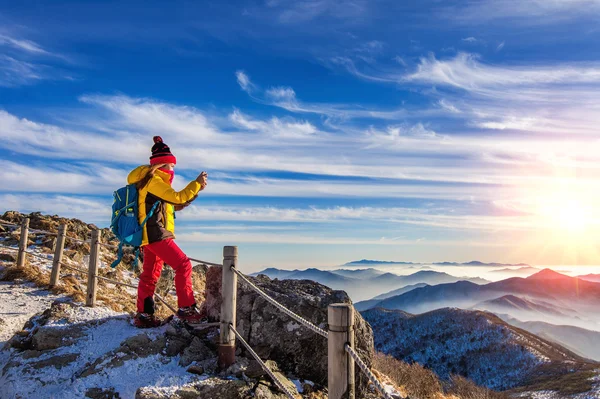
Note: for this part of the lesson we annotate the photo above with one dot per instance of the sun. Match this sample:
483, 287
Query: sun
572, 215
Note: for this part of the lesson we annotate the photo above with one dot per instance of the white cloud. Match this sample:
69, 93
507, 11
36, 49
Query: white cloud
522, 12
500, 46
22, 44
282, 95
470, 39
22, 63
244, 81
186, 123
275, 126
465, 71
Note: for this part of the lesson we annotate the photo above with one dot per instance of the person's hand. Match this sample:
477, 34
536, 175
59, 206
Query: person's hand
202, 179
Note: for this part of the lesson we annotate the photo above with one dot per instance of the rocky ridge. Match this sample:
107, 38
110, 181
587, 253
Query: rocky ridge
101, 355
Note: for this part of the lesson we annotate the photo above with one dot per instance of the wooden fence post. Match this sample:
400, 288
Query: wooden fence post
228, 307
93, 269
24, 239
340, 317
59, 245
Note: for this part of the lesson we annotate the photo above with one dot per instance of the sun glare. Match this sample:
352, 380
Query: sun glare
573, 216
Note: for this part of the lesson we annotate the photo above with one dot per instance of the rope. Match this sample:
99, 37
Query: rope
368, 373
49, 233
205, 262
109, 246
38, 256
74, 268
78, 240
3, 223
263, 365
279, 306
7, 247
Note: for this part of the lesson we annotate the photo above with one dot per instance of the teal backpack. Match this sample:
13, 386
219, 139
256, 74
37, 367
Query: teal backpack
125, 224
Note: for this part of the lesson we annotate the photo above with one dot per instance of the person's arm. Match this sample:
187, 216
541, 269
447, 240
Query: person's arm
165, 192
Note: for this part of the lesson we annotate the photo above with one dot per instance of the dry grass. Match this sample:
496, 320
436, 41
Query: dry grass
116, 297
467, 389
418, 382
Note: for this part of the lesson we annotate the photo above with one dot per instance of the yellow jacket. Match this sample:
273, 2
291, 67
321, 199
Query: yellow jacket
161, 225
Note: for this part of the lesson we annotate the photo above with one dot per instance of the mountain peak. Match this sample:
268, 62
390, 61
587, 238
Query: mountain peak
547, 274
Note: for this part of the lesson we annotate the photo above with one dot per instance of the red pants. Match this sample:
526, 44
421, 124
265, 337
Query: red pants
155, 255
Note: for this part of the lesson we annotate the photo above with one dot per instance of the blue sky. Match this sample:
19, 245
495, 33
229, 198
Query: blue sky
331, 130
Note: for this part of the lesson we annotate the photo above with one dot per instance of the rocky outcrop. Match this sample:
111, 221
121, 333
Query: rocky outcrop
274, 335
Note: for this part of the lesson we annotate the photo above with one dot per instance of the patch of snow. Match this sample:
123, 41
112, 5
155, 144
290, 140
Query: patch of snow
18, 303
104, 332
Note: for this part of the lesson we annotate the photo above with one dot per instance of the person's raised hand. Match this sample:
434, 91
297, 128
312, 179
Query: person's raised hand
202, 179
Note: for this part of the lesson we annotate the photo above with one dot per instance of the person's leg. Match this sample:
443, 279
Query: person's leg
170, 252
152, 267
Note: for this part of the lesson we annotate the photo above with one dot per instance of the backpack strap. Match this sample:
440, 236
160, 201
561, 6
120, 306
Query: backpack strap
149, 215
119, 255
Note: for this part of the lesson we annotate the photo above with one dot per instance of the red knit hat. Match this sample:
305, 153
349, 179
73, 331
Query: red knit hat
161, 153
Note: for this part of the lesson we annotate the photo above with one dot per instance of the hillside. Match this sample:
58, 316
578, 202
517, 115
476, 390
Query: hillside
363, 284
591, 277
585, 343
513, 303
476, 345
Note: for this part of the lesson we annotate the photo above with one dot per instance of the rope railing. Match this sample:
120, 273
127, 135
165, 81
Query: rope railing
203, 262
48, 233
276, 380
365, 369
279, 306
9, 248
3, 223
46, 258
79, 240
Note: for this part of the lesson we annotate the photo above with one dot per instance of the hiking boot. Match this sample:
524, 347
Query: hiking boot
191, 315
146, 320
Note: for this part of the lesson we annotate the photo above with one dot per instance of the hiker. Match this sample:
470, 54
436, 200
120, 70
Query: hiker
156, 194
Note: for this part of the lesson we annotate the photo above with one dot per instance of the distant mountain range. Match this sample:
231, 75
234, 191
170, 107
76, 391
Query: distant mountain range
525, 271
512, 303
362, 284
591, 277
369, 262
585, 343
477, 345
549, 295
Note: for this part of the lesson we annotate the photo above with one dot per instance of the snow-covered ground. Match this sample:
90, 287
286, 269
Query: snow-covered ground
19, 301
103, 332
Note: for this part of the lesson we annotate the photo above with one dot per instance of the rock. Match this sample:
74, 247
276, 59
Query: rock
58, 361
220, 389
296, 349
99, 393
199, 370
53, 337
8, 258
166, 281
197, 351
212, 303
255, 370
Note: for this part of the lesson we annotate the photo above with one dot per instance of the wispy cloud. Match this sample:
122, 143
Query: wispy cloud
22, 44
527, 12
244, 81
23, 63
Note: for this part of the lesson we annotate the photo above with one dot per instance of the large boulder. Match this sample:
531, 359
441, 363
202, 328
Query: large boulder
276, 336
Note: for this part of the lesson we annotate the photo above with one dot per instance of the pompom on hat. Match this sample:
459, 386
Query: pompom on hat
161, 153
